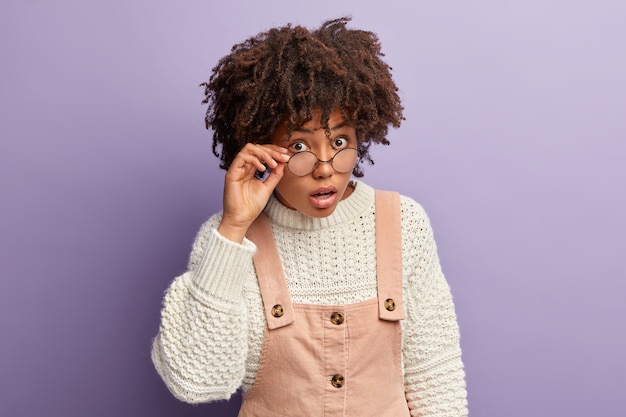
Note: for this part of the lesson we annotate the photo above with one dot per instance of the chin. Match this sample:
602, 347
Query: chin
320, 213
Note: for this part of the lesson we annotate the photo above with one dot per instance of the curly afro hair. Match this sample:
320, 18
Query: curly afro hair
286, 74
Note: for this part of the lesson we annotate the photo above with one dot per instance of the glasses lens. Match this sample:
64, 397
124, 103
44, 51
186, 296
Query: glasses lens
302, 163
345, 160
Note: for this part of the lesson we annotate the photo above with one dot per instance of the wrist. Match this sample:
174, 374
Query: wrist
232, 231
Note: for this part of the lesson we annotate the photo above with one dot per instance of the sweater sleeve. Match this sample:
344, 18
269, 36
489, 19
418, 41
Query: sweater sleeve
201, 346
433, 369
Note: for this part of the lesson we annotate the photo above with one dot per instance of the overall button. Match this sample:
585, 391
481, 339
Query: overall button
390, 304
278, 310
336, 318
337, 381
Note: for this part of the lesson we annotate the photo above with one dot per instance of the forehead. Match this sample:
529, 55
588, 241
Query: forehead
336, 121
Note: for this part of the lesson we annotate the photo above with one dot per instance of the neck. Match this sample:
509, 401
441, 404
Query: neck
358, 198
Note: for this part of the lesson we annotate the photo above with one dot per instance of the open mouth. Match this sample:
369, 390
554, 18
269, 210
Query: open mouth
323, 198
324, 194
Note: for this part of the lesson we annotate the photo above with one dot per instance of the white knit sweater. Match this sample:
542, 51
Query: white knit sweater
212, 322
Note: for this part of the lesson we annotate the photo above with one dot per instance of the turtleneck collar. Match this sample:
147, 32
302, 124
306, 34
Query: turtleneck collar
361, 200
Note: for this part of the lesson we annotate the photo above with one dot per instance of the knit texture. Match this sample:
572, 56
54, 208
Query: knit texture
210, 340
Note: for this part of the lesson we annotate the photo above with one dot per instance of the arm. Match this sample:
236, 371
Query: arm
201, 346
433, 370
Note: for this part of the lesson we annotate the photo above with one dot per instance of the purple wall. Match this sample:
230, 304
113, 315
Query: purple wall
514, 143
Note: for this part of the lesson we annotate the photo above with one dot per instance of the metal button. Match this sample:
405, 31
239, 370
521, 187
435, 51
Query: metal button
336, 318
337, 381
390, 304
278, 310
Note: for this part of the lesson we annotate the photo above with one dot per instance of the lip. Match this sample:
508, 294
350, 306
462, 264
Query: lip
323, 197
324, 190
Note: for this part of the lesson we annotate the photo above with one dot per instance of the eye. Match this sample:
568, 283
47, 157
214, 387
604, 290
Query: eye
340, 142
298, 146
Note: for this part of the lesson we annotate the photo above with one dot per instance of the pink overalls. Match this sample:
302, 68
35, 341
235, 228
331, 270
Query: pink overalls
331, 360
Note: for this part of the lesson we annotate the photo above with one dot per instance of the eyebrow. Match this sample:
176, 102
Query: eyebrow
302, 130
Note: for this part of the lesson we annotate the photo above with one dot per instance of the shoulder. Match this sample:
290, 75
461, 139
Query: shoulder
414, 219
413, 215
416, 226
412, 211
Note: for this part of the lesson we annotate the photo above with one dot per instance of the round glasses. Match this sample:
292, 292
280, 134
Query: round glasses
305, 162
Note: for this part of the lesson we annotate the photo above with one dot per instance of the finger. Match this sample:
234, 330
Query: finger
260, 157
246, 164
272, 155
274, 177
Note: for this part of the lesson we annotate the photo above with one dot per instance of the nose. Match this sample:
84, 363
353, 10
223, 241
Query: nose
324, 168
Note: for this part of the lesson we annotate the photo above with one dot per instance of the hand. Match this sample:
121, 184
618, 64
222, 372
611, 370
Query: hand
244, 195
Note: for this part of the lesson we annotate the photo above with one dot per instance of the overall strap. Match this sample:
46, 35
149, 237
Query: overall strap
273, 285
389, 256
277, 302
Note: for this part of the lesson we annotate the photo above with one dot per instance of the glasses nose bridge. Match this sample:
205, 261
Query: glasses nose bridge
324, 152
330, 161
324, 165
325, 161
315, 164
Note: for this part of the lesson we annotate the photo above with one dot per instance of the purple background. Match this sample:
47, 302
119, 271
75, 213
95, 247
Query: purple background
514, 143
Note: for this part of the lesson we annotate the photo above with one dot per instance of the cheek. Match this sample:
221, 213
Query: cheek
288, 185
286, 192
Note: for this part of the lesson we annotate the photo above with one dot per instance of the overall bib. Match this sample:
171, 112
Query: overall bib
329, 361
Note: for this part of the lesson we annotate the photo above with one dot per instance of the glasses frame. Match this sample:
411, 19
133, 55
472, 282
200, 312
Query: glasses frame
318, 161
